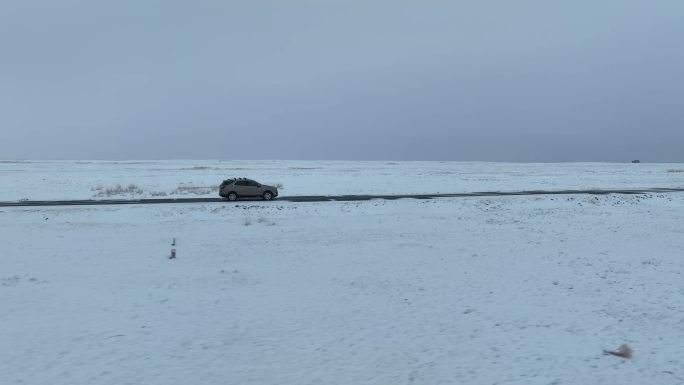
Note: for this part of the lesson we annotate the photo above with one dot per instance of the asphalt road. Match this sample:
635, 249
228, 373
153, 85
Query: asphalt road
327, 198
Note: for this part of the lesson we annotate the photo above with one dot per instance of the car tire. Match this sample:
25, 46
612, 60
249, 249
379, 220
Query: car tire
232, 196
267, 196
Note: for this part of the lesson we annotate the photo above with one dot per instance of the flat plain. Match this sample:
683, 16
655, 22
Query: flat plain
514, 290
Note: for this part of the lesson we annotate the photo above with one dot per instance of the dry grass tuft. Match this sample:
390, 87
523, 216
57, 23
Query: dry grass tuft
676, 170
188, 189
118, 190
623, 351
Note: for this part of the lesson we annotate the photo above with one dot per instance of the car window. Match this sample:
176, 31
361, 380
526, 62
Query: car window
241, 183
252, 183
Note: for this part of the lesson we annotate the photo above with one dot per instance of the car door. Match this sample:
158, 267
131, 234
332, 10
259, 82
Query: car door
241, 188
252, 188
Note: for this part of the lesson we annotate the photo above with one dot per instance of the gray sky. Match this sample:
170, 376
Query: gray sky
573, 80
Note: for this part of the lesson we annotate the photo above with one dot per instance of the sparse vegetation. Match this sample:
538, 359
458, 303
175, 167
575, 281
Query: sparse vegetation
248, 221
131, 189
265, 221
279, 186
676, 170
187, 189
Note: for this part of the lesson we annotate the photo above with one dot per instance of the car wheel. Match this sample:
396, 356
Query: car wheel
267, 196
232, 196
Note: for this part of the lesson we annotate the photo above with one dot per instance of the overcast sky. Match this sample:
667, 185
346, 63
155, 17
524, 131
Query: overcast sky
572, 80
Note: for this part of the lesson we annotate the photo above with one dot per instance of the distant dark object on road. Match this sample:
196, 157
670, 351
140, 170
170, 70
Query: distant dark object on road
636, 161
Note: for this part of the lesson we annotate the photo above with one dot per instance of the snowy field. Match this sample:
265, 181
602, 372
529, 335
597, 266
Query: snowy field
148, 179
506, 290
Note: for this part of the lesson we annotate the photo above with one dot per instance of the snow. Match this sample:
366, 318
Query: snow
515, 290
90, 179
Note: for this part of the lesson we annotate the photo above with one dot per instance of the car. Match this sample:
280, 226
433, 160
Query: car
235, 188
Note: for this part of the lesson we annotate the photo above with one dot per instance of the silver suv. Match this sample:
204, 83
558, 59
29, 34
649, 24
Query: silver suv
243, 187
